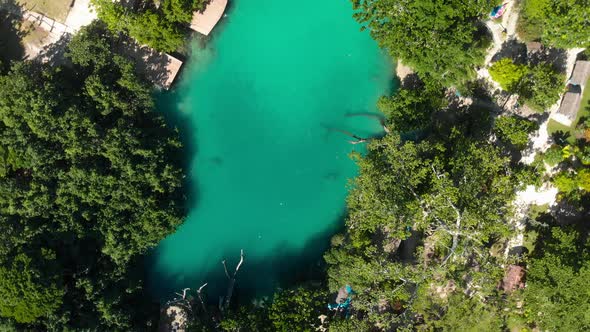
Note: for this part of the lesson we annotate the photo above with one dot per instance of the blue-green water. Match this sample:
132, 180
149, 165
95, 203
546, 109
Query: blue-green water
267, 175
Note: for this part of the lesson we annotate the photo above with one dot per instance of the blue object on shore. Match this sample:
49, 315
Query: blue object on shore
498, 11
343, 300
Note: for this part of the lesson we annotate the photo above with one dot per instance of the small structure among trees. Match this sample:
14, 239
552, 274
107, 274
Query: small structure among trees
570, 104
513, 279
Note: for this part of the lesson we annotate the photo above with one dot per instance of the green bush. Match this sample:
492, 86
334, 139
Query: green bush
514, 130
159, 28
558, 23
149, 28
541, 87
565, 182
508, 74
530, 24
553, 155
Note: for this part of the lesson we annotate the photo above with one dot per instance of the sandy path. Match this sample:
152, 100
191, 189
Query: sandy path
524, 199
80, 15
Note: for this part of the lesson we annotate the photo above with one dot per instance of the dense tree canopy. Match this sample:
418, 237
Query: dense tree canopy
162, 28
24, 296
411, 109
558, 23
435, 37
87, 175
453, 189
508, 74
514, 130
542, 87
557, 293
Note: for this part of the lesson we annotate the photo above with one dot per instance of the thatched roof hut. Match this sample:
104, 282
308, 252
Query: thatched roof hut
570, 103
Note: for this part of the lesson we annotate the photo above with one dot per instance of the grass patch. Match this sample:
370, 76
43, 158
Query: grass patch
584, 112
55, 9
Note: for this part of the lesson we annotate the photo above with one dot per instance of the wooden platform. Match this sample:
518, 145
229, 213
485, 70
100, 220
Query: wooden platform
159, 68
205, 22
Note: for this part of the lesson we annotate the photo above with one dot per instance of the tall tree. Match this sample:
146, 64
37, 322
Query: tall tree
435, 37
89, 173
557, 293
559, 23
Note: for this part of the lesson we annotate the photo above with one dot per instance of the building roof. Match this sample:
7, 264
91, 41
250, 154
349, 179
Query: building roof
205, 21
568, 109
581, 73
513, 278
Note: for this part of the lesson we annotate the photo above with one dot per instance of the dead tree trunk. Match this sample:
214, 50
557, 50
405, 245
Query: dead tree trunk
199, 295
379, 118
357, 138
232, 282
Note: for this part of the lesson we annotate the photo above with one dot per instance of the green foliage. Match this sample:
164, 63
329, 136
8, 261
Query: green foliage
463, 313
161, 29
247, 318
565, 182
24, 295
437, 38
177, 10
411, 109
89, 175
350, 324
149, 28
558, 23
297, 309
508, 74
452, 182
530, 20
557, 293
553, 155
541, 87
514, 130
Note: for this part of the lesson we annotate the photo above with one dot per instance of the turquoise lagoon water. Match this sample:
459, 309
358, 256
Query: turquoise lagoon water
267, 173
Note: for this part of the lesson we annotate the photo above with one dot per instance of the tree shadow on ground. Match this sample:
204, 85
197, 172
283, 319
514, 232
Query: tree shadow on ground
512, 49
412, 82
555, 57
561, 137
54, 54
150, 64
11, 35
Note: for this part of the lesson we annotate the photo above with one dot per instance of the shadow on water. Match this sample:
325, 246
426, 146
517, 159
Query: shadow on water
287, 267
166, 105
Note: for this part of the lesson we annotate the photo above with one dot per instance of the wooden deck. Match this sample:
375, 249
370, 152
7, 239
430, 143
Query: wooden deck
159, 68
205, 22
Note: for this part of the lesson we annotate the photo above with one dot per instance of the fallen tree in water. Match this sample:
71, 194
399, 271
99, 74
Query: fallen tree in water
182, 307
224, 304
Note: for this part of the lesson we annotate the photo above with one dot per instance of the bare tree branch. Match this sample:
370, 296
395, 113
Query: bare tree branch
201, 298
225, 268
